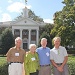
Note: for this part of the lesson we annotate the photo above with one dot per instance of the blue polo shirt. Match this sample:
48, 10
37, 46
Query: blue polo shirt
44, 55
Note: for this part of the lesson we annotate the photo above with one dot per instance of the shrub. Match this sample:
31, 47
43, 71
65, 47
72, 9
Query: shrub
71, 51
4, 69
71, 65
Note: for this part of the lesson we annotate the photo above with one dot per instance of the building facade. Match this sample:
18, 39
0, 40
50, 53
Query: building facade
25, 28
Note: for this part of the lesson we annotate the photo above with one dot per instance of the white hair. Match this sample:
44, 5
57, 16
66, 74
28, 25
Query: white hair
32, 45
18, 38
57, 38
43, 39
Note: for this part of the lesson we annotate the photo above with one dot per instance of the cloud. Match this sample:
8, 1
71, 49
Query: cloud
20, 0
0, 10
48, 21
17, 7
6, 17
10, 1
29, 6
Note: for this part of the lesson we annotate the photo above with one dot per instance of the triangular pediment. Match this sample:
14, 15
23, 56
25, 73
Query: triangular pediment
25, 21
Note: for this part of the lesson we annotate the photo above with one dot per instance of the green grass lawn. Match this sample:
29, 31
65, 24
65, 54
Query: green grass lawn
2, 60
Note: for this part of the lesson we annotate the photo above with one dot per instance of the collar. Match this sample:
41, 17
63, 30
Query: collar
56, 48
16, 48
43, 47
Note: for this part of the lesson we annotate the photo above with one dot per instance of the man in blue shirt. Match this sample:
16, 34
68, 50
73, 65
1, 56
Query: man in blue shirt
44, 57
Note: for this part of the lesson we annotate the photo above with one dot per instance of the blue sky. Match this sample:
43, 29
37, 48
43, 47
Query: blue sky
10, 9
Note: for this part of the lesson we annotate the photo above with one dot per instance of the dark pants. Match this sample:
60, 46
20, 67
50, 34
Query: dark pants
35, 73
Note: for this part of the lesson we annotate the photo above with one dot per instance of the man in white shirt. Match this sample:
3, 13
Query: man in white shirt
59, 57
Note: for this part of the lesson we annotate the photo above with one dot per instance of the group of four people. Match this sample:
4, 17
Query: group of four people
37, 61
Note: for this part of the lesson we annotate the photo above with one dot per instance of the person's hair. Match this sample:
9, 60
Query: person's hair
18, 38
56, 38
43, 39
31, 45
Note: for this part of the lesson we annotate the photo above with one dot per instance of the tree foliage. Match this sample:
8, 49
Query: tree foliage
64, 23
7, 40
47, 28
31, 15
1, 29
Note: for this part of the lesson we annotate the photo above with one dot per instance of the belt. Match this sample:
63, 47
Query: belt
59, 63
15, 62
45, 65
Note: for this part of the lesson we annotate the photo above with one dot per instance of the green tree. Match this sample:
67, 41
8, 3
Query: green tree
1, 29
31, 15
47, 28
64, 23
7, 40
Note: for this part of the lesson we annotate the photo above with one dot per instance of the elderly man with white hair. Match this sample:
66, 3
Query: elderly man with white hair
15, 58
44, 58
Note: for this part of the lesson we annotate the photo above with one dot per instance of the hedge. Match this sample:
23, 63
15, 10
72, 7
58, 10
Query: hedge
71, 51
4, 69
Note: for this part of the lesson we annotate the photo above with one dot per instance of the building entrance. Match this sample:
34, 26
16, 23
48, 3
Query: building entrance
25, 46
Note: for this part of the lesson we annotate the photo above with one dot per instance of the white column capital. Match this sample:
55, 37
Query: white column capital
29, 30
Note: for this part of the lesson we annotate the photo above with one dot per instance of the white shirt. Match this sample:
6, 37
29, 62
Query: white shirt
58, 54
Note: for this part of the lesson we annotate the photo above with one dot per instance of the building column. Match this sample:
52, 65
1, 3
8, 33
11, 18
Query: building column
21, 33
29, 37
13, 31
21, 37
37, 37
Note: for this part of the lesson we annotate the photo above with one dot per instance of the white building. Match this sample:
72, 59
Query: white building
26, 28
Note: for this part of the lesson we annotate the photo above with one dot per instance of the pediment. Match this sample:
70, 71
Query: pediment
25, 21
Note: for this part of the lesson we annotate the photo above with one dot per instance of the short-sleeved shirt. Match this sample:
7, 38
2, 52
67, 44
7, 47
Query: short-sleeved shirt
44, 55
15, 55
58, 54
